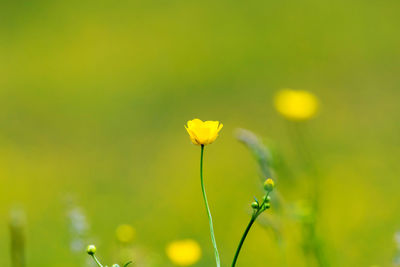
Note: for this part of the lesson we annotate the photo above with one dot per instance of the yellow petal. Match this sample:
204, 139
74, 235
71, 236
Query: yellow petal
214, 129
192, 136
195, 123
203, 133
220, 127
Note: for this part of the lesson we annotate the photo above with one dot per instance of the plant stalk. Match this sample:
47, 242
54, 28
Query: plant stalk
252, 220
17, 230
97, 261
208, 209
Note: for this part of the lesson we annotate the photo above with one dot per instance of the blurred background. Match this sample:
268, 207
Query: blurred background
94, 96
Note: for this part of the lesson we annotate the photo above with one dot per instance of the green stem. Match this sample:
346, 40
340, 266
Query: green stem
97, 261
252, 220
208, 209
254, 217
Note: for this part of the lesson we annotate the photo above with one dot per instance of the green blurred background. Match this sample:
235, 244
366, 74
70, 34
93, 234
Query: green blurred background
94, 96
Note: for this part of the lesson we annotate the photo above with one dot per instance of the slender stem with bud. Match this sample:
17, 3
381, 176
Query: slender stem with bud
208, 209
91, 250
258, 209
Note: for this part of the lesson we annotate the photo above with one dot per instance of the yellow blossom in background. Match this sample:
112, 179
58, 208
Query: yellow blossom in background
296, 104
184, 252
125, 233
203, 133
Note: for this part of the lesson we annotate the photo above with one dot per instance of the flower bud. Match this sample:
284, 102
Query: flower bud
267, 198
115, 265
255, 205
269, 185
267, 205
91, 250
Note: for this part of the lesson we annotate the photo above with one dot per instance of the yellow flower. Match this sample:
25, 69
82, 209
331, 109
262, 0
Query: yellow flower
184, 252
203, 133
296, 104
125, 233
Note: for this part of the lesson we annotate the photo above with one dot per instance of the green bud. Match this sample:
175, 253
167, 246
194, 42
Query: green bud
255, 205
267, 198
267, 205
115, 265
91, 250
269, 185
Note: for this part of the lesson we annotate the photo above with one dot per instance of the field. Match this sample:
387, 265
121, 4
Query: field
94, 96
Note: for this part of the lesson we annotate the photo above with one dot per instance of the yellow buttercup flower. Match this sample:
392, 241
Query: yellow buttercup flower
184, 252
296, 104
203, 133
125, 233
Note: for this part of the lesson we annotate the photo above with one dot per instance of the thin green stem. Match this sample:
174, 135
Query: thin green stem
252, 220
254, 217
97, 261
208, 209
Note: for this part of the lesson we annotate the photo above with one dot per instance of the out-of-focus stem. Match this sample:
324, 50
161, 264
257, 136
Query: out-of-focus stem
17, 232
314, 243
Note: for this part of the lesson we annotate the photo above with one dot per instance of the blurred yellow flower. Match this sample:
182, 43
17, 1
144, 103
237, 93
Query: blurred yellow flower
184, 252
296, 104
203, 133
125, 233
